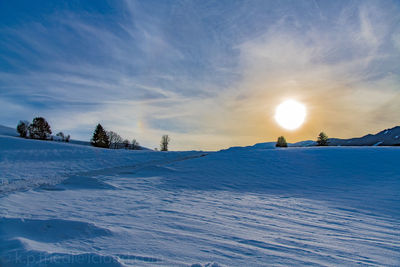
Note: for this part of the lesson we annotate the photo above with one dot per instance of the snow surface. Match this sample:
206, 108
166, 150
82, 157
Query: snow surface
70, 205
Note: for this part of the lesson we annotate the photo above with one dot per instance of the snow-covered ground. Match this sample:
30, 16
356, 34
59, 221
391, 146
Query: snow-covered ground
70, 205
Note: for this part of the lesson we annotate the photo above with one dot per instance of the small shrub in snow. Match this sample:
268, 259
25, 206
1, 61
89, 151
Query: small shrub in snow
39, 129
100, 138
322, 139
61, 136
22, 128
281, 142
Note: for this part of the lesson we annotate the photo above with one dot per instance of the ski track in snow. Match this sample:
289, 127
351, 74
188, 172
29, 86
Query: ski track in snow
255, 207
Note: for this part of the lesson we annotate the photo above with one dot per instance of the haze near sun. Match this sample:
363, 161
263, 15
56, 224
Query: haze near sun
290, 114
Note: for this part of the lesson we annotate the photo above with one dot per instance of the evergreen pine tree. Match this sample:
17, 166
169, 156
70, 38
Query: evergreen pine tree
281, 142
100, 138
39, 129
322, 139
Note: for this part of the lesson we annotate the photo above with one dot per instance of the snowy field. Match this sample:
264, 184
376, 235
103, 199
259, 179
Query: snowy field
70, 205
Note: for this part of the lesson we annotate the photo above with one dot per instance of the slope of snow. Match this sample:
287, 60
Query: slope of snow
240, 207
26, 163
4, 130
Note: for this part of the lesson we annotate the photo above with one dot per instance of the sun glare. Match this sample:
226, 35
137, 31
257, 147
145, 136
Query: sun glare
290, 114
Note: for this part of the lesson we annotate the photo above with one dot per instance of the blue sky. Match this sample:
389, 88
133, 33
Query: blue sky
208, 73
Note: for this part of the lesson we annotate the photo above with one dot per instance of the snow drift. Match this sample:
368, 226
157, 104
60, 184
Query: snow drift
238, 207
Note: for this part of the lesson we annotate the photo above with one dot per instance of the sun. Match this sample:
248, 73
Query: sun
290, 114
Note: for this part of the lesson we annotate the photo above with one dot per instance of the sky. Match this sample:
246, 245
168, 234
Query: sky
210, 74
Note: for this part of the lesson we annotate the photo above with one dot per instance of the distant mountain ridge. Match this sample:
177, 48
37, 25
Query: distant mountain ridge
387, 137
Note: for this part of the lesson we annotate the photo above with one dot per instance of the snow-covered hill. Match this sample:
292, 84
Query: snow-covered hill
70, 205
8, 131
4, 130
27, 163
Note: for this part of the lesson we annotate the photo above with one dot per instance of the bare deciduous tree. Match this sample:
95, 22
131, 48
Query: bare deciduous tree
114, 139
164, 142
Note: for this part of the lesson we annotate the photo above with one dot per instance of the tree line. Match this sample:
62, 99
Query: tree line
112, 140
39, 128
322, 140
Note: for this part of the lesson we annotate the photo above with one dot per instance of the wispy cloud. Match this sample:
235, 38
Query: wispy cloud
209, 74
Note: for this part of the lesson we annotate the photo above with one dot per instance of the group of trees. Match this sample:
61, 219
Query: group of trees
322, 140
39, 129
112, 140
60, 136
